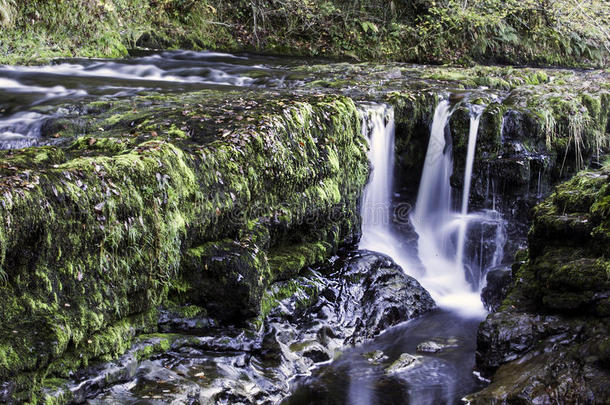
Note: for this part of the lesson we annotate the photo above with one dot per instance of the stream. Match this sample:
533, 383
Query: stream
30, 96
442, 373
447, 248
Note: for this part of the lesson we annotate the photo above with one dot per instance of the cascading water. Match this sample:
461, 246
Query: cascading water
475, 118
379, 122
452, 276
435, 224
452, 269
377, 233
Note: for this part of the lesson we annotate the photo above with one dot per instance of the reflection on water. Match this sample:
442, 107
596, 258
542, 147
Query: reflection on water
364, 376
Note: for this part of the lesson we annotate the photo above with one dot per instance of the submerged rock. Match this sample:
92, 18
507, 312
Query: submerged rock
375, 357
433, 346
405, 361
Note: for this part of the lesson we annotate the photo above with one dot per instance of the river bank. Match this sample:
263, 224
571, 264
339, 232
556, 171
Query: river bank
559, 33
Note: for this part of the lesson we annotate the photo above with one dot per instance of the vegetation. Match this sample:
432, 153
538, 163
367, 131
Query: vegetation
542, 32
549, 341
124, 223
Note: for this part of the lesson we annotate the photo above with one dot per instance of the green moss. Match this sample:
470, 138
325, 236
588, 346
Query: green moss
286, 261
118, 225
160, 344
568, 266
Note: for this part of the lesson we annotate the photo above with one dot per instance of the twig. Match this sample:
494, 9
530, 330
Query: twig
219, 23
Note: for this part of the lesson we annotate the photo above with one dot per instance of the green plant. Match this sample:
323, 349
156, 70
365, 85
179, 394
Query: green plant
7, 12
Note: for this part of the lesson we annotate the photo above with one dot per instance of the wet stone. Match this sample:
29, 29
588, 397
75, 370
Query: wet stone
375, 357
404, 362
435, 347
498, 284
336, 306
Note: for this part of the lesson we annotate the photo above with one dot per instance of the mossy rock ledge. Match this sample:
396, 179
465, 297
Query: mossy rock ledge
549, 342
177, 208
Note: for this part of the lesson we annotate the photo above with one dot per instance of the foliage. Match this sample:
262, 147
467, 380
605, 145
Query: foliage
7, 12
542, 32
514, 31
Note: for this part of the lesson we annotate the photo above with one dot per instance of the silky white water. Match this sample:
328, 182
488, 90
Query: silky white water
377, 233
442, 232
436, 225
475, 118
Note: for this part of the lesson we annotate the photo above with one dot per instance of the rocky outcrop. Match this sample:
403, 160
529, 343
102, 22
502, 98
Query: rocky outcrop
309, 320
165, 199
160, 202
549, 341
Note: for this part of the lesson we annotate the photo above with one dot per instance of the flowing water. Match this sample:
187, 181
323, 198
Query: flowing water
475, 117
454, 247
30, 95
378, 234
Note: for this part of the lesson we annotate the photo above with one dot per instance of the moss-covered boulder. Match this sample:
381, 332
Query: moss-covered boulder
548, 342
95, 236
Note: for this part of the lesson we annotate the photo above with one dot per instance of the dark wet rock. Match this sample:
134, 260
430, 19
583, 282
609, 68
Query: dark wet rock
389, 296
549, 341
496, 289
506, 336
184, 319
312, 319
565, 367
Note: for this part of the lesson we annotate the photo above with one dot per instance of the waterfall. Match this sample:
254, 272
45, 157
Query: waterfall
453, 268
475, 118
378, 192
436, 224
377, 232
